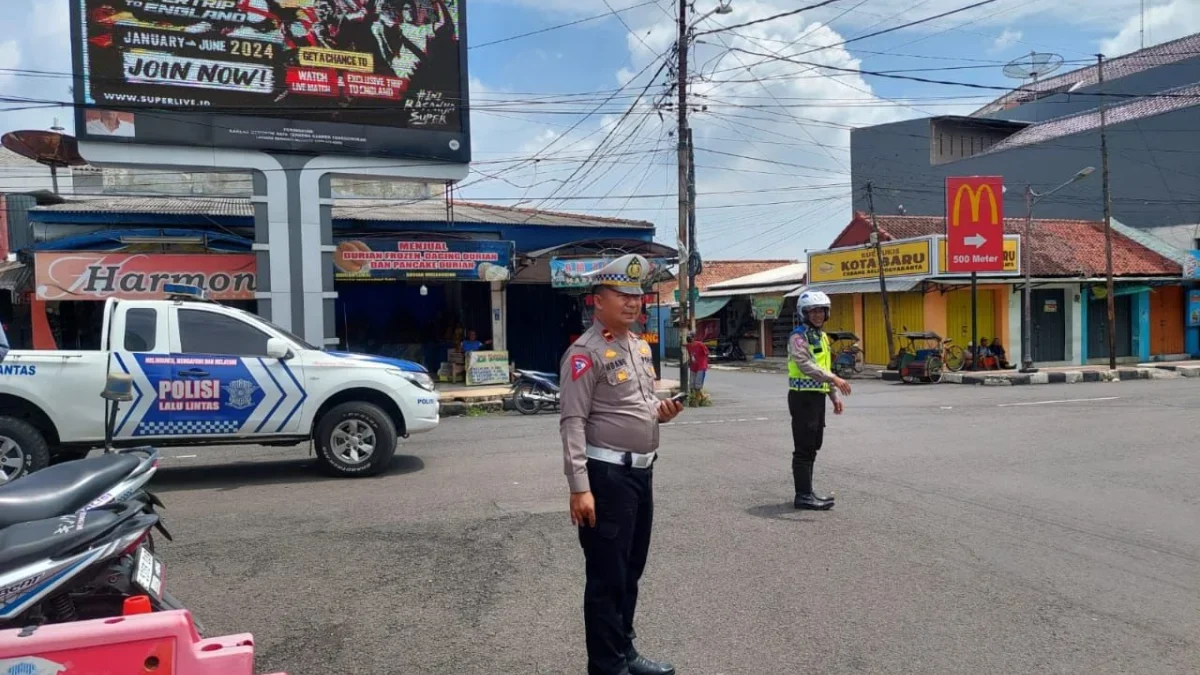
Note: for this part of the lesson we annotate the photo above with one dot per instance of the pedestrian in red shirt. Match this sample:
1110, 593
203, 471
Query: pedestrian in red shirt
698, 363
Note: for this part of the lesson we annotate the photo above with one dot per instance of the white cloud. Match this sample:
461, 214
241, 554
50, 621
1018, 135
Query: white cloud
771, 136
1005, 40
1164, 22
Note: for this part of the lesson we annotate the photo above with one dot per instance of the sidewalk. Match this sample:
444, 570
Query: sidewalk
458, 399
1068, 374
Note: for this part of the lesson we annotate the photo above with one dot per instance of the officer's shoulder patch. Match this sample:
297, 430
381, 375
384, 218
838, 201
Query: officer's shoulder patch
580, 364
799, 340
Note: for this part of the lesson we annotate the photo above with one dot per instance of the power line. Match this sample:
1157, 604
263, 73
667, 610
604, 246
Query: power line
769, 18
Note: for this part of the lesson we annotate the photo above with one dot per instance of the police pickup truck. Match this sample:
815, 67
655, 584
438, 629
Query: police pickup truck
205, 374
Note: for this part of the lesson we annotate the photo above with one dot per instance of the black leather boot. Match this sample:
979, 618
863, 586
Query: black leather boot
640, 665
805, 499
819, 497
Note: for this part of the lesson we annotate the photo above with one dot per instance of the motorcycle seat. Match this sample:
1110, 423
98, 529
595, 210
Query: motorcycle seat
24, 543
61, 489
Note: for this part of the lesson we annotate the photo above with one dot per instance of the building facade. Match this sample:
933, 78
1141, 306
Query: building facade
1068, 308
405, 277
1044, 134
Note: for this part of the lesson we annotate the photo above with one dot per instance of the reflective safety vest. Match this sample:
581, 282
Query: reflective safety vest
821, 351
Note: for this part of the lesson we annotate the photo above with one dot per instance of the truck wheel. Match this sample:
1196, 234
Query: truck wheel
23, 449
355, 439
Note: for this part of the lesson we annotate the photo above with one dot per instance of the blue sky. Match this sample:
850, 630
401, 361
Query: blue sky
773, 159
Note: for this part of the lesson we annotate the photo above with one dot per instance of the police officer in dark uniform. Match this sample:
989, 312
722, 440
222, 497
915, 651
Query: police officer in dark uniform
810, 382
609, 426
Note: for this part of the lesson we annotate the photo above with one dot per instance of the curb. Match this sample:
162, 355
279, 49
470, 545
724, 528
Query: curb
1060, 376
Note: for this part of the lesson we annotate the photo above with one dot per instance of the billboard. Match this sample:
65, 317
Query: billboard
901, 258
975, 225
141, 276
389, 258
381, 78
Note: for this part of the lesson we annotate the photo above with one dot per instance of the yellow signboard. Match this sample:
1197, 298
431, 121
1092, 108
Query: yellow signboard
1012, 258
313, 57
904, 258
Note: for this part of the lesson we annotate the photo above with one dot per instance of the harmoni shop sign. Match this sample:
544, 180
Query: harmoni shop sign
141, 276
389, 258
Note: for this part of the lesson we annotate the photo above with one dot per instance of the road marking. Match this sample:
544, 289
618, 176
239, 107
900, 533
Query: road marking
181, 457
1065, 400
734, 421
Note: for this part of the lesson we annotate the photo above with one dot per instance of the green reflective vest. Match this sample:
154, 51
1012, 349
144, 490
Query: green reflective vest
822, 353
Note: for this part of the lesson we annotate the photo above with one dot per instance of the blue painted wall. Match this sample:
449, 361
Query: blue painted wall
1141, 325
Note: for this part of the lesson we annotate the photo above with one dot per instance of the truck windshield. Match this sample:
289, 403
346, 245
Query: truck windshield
254, 318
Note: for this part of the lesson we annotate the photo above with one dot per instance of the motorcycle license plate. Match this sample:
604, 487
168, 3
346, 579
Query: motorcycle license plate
148, 572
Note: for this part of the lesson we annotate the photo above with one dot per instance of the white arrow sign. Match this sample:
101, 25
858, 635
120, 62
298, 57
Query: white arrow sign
976, 240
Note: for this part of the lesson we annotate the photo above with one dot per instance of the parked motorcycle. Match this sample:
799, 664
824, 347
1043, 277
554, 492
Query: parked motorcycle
727, 350
534, 391
75, 541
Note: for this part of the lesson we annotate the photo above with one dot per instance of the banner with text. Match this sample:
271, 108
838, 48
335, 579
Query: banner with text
388, 259
901, 258
568, 272
141, 276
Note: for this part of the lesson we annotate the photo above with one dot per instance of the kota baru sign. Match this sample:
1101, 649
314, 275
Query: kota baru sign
362, 77
1012, 258
141, 276
975, 224
901, 258
388, 258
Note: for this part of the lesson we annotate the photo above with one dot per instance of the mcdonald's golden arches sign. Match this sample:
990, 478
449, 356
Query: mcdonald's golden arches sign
975, 224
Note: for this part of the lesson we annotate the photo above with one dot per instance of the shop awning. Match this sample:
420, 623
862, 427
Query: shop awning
892, 285
706, 307
14, 276
749, 290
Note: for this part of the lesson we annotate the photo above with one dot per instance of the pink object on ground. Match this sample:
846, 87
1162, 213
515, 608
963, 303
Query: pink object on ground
163, 643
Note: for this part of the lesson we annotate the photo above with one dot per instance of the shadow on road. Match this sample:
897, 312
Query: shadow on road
784, 511
243, 474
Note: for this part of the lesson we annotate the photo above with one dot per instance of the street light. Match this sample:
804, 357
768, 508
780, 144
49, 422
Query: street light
1031, 200
721, 8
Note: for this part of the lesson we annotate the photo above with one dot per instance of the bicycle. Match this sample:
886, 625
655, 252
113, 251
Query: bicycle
953, 356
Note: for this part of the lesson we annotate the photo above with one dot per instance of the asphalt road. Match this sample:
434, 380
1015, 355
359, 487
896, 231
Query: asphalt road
1037, 529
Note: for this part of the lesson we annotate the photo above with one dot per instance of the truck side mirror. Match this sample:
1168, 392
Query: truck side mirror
278, 349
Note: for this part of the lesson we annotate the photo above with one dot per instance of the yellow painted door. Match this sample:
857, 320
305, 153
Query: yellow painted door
907, 309
841, 313
958, 316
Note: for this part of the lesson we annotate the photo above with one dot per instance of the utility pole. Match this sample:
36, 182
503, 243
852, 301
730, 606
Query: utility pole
887, 314
1108, 260
691, 230
685, 247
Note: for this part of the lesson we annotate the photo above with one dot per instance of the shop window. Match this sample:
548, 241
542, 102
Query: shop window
141, 330
203, 332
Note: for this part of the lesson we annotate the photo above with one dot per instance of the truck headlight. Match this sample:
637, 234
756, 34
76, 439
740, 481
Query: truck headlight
422, 380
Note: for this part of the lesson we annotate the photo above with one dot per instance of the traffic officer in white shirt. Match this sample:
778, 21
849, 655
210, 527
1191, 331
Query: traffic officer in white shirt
810, 382
609, 426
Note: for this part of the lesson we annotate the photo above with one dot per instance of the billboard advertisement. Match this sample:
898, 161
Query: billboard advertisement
388, 259
975, 225
381, 78
141, 276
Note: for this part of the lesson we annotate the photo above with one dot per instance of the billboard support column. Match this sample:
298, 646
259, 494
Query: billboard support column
499, 316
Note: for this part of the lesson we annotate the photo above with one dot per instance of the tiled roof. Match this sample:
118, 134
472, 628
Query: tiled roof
380, 210
716, 271
1135, 109
1061, 248
1122, 66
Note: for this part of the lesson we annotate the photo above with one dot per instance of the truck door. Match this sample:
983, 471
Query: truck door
225, 384
140, 345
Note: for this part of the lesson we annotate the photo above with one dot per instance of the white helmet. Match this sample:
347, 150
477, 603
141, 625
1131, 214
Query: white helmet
812, 300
